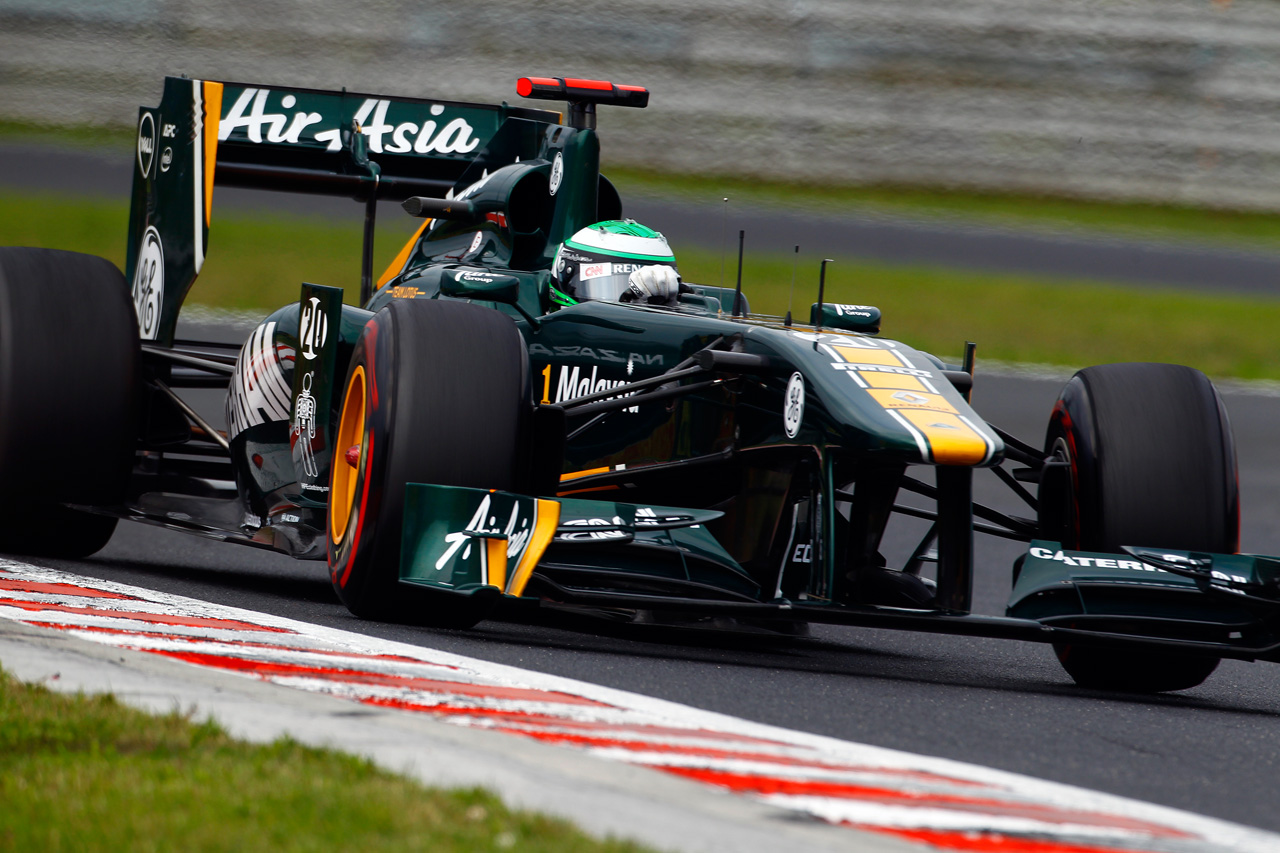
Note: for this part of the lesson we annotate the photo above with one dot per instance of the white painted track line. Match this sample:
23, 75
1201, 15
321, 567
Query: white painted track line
613, 761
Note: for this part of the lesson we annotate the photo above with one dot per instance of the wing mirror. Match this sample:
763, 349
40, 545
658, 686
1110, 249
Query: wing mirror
851, 318
480, 284
475, 283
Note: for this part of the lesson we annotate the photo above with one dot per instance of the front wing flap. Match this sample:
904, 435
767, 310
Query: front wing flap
468, 540
1161, 592
462, 539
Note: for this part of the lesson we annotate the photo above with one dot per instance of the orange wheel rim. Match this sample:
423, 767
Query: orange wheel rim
342, 495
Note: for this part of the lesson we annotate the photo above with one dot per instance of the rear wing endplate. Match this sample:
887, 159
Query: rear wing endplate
291, 140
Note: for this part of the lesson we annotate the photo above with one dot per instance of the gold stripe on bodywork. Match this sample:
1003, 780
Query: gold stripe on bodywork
860, 355
544, 530
496, 562
573, 475
897, 381
890, 398
212, 116
397, 264
951, 440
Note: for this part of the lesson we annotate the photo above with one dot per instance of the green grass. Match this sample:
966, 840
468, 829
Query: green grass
1023, 318
114, 137
90, 774
1244, 228
256, 263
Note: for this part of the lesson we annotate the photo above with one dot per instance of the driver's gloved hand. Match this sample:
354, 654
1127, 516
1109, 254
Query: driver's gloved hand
657, 284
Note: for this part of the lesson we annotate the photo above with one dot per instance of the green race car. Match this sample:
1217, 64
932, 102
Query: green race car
531, 404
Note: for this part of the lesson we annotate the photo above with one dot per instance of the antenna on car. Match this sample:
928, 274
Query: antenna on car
822, 286
724, 226
737, 293
791, 297
970, 353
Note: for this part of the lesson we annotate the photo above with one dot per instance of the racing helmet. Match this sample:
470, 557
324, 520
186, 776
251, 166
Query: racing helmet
596, 262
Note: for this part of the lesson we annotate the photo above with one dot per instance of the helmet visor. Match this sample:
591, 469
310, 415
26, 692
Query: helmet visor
606, 279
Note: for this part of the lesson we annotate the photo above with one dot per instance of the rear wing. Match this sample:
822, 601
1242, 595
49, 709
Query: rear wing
366, 147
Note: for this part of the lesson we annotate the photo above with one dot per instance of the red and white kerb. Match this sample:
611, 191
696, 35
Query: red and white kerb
938, 804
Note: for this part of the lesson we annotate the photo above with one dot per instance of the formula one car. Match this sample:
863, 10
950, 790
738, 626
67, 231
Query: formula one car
471, 434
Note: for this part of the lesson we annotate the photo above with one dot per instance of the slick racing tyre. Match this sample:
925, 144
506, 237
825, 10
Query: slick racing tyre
1152, 462
69, 357
437, 392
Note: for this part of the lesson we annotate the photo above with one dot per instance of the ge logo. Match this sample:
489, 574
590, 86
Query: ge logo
793, 405
148, 284
313, 328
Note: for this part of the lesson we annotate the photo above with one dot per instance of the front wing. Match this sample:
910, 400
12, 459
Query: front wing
616, 556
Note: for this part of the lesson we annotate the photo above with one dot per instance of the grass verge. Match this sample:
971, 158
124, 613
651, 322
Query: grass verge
1020, 318
257, 262
1241, 228
88, 773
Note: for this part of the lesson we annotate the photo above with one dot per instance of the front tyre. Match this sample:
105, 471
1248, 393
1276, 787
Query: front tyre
1152, 462
437, 392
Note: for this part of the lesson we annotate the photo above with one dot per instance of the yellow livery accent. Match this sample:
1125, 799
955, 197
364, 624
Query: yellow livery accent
951, 440
401, 259
212, 116
544, 530
496, 562
896, 381
573, 475
860, 355
891, 399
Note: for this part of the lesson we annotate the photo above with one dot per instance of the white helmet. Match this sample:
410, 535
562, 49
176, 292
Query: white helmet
597, 262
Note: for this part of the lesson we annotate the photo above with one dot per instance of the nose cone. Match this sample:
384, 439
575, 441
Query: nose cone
884, 395
949, 433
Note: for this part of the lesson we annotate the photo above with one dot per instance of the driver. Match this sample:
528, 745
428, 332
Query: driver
619, 260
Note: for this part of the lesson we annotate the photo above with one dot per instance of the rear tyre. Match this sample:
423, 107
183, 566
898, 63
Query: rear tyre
1152, 462
438, 392
68, 382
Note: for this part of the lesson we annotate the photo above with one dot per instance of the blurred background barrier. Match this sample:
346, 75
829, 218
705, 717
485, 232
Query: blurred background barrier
1160, 100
